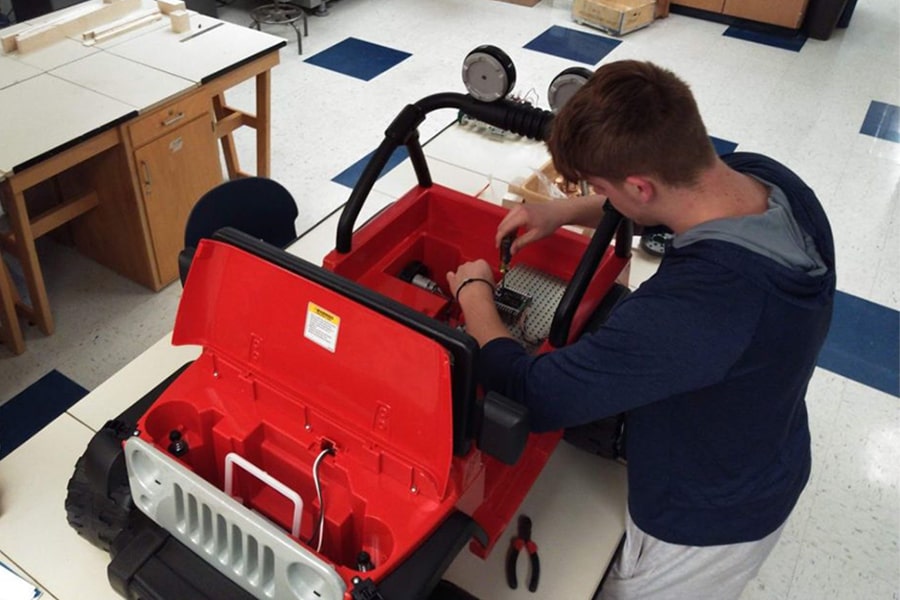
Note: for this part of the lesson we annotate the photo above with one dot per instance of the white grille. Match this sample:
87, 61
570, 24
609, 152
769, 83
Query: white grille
241, 544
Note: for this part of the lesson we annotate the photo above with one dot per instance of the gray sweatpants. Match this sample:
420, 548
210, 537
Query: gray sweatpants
651, 569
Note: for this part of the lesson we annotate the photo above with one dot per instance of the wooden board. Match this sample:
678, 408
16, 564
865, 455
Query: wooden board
46, 33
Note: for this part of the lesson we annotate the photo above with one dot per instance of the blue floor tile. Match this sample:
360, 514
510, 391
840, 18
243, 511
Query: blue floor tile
358, 58
882, 121
864, 343
786, 42
574, 45
349, 176
29, 411
723, 146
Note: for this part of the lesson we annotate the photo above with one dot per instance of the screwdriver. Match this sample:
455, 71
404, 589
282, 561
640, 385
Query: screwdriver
505, 256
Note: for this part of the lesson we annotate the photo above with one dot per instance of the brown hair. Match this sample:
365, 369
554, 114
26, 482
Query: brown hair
631, 118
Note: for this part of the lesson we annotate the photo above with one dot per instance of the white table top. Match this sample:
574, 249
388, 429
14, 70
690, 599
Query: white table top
55, 55
219, 46
50, 112
68, 89
13, 71
104, 72
505, 159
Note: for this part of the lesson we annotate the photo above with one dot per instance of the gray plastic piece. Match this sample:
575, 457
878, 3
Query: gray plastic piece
241, 544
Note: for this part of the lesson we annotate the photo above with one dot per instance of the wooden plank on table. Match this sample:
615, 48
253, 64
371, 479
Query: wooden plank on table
121, 26
45, 34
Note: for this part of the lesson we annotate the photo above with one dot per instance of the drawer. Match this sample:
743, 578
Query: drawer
164, 120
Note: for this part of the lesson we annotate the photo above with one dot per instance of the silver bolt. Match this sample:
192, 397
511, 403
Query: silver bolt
414, 490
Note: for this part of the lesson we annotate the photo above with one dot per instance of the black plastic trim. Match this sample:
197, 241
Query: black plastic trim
149, 564
420, 574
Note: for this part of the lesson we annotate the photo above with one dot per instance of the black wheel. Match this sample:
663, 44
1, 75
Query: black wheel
655, 244
565, 85
96, 517
488, 73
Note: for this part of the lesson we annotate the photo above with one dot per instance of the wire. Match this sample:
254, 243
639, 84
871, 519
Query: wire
321, 524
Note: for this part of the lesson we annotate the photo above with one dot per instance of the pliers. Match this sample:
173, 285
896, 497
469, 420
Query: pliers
523, 540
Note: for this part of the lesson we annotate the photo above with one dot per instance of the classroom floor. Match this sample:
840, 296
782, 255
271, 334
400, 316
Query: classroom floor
828, 109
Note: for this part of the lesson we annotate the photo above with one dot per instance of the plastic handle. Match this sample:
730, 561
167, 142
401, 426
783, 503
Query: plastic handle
232, 457
172, 120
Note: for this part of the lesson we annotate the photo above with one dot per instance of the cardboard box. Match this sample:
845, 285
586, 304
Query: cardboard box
533, 190
616, 17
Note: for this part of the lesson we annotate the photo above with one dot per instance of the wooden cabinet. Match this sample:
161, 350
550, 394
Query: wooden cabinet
146, 187
784, 13
710, 5
174, 171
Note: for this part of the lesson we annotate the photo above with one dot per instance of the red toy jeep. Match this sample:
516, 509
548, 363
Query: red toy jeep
331, 441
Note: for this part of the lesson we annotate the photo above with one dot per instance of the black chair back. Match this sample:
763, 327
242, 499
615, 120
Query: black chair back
257, 206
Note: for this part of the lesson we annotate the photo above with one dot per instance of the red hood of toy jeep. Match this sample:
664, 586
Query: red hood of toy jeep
342, 371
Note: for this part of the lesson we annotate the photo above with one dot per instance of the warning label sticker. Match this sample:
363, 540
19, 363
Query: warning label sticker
322, 326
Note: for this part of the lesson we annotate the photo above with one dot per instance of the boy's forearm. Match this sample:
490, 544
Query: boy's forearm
585, 211
482, 320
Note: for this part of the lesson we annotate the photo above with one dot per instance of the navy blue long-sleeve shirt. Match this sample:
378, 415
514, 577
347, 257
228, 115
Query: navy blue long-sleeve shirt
710, 359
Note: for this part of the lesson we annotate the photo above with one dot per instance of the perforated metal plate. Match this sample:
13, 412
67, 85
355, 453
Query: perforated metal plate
545, 292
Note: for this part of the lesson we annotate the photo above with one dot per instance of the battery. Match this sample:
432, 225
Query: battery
510, 304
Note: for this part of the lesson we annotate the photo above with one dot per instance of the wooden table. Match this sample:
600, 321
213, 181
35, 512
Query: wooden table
126, 134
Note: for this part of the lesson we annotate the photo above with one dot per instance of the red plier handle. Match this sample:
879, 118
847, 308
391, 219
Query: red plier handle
523, 540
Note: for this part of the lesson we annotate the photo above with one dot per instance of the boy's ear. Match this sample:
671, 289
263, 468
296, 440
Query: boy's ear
642, 188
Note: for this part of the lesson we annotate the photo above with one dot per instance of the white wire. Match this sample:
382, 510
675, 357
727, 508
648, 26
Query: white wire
315, 469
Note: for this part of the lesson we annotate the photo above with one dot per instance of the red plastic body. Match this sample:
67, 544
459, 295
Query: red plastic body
277, 390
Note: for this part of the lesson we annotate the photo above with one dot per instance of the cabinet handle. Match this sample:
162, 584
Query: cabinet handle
146, 171
173, 119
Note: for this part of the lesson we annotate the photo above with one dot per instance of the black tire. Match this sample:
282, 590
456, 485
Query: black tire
96, 517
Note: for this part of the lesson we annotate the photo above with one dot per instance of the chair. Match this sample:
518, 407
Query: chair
259, 207
10, 331
281, 12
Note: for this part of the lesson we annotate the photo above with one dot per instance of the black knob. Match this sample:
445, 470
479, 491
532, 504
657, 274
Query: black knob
364, 561
178, 446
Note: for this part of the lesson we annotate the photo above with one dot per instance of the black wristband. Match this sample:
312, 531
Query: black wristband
469, 280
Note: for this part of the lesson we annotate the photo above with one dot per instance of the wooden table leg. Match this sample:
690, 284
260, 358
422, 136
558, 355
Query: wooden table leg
263, 123
27, 254
662, 9
229, 151
9, 320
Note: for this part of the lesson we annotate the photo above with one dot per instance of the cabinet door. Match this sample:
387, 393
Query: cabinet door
175, 170
786, 13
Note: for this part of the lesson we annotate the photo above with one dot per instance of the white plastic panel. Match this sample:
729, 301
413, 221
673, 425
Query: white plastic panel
239, 543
